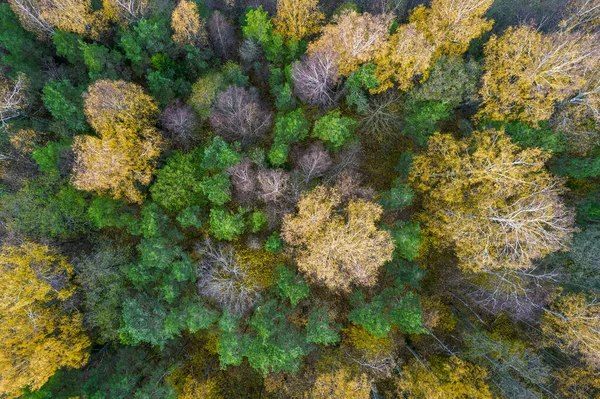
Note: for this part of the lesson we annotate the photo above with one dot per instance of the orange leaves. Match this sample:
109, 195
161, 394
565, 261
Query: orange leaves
334, 250
123, 116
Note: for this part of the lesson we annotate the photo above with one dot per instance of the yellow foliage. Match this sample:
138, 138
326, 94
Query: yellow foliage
298, 18
370, 346
24, 140
354, 39
527, 72
490, 199
125, 11
334, 249
258, 265
407, 54
451, 378
75, 16
341, 383
573, 322
578, 383
451, 25
37, 336
188, 27
125, 153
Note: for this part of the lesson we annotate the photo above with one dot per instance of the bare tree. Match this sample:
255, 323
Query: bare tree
221, 278
383, 118
181, 123
222, 35
314, 161
274, 184
315, 78
238, 114
243, 179
250, 51
12, 98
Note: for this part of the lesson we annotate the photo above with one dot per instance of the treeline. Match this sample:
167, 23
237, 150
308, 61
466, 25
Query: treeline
299, 199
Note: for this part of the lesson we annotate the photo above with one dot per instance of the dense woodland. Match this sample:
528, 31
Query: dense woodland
299, 199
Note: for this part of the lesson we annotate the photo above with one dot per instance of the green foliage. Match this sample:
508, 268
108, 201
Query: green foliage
452, 80
398, 197
230, 346
274, 243
45, 208
334, 129
407, 238
278, 153
424, 118
204, 91
233, 75
107, 212
48, 157
102, 63
67, 45
178, 184
22, 53
291, 285
225, 225
530, 137
256, 221
217, 188
393, 306
281, 84
219, 155
144, 320
578, 168
190, 217
277, 345
65, 103
320, 330
291, 127
358, 83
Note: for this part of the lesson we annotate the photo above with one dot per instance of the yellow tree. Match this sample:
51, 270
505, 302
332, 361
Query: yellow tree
406, 55
341, 383
124, 154
491, 200
450, 378
338, 250
188, 27
125, 11
37, 334
527, 73
451, 25
573, 322
354, 38
75, 16
298, 18
582, 15
30, 15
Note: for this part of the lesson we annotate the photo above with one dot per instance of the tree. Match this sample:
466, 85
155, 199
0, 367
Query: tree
188, 27
291, 285
222, 35
527, 73
408, 54
491, 200
334, 129
314, 162
315, 78
123, 116
126, 11
334, 250
239, 114
39, 335
289, 128
320, 330
447, 378
181, 123
75, 16
572, 322
298, 18
30, 15
225, 225
581, 15
12, 98
451, 25
64, 103
341, 382
178, 184
353, 39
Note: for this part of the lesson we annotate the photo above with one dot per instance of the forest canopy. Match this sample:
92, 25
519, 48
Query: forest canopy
299, 199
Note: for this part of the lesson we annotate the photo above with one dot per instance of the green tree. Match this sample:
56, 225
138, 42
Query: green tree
424, 119
219, 155
334, 129
65, 103
291, 285
320, 329
225, 225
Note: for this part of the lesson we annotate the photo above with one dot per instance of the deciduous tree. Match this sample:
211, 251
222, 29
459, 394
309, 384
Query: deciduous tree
491, 200
315, 78
353, 38
39, 335
188, 27
126, 11
338, 251
298, 18
222, 35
